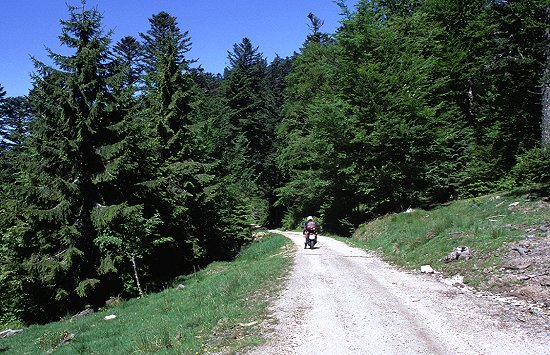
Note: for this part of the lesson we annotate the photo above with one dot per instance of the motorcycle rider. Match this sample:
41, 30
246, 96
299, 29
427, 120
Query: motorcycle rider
309, 224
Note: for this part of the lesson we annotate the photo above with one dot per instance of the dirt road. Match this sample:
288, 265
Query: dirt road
341, 300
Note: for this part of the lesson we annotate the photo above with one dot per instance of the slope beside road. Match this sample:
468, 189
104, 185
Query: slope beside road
341, 300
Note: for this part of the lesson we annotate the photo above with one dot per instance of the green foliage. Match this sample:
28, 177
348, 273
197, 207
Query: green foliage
128, 53
14, 119
250, 126
299, 155
125, 162
114, 184
12, 302
85, 287
215, 300
495, 55
412, 103
169, 88
532, 167
71, 107
125, 231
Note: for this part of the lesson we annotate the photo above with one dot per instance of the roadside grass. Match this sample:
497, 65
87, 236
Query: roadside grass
219, 310
422, 237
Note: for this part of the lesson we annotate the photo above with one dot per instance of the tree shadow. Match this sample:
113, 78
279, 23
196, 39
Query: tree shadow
533, 192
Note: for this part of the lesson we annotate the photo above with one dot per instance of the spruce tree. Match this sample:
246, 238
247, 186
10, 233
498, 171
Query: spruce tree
316, 36
128, 55
67, 197
252, 129
277, 73
127, 228
14, 118
181, 179
169, 88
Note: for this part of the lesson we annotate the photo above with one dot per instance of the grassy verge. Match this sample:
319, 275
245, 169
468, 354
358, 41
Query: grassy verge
483, 224
218, 310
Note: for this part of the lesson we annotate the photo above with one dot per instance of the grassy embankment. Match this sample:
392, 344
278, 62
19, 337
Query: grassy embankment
483, 224
219, 309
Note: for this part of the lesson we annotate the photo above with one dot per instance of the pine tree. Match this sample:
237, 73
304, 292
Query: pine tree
4, 123
169, 88
252, 129
14, 118
181, 179
127, 229
128, 55
277, 73
316, 36
244, 87
67, 195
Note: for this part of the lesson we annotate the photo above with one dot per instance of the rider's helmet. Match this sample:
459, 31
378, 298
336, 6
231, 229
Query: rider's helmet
310, 218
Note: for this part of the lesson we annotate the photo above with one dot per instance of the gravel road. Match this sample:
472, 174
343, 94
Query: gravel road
341, 300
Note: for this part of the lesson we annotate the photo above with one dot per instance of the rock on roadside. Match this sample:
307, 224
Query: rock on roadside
9, 332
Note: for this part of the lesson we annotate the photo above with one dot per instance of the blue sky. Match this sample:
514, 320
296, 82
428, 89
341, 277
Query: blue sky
275, 26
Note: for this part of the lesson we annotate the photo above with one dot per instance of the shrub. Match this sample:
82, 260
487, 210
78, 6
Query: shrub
532, 167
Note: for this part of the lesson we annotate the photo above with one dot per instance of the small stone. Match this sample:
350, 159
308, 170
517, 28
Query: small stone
109, 317
247, 324
465, 253
427, 269
458, 253
84, 313
67, 337
521, 250
457, 281
180, 287
451, 256
517, 266
113, 301
9, 332
537, 312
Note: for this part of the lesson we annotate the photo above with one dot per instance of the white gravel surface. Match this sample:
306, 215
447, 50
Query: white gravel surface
341, 300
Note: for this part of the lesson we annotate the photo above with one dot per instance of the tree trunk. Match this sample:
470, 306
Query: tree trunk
137, 277
545, 122
545, 125
470, 100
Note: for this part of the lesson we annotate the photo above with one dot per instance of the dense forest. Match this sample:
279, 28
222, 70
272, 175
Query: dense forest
127, 164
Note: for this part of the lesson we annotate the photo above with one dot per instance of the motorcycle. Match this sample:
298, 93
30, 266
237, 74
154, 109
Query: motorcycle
311, 238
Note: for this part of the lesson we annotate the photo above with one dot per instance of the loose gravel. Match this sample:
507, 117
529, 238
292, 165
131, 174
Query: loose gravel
341, 300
